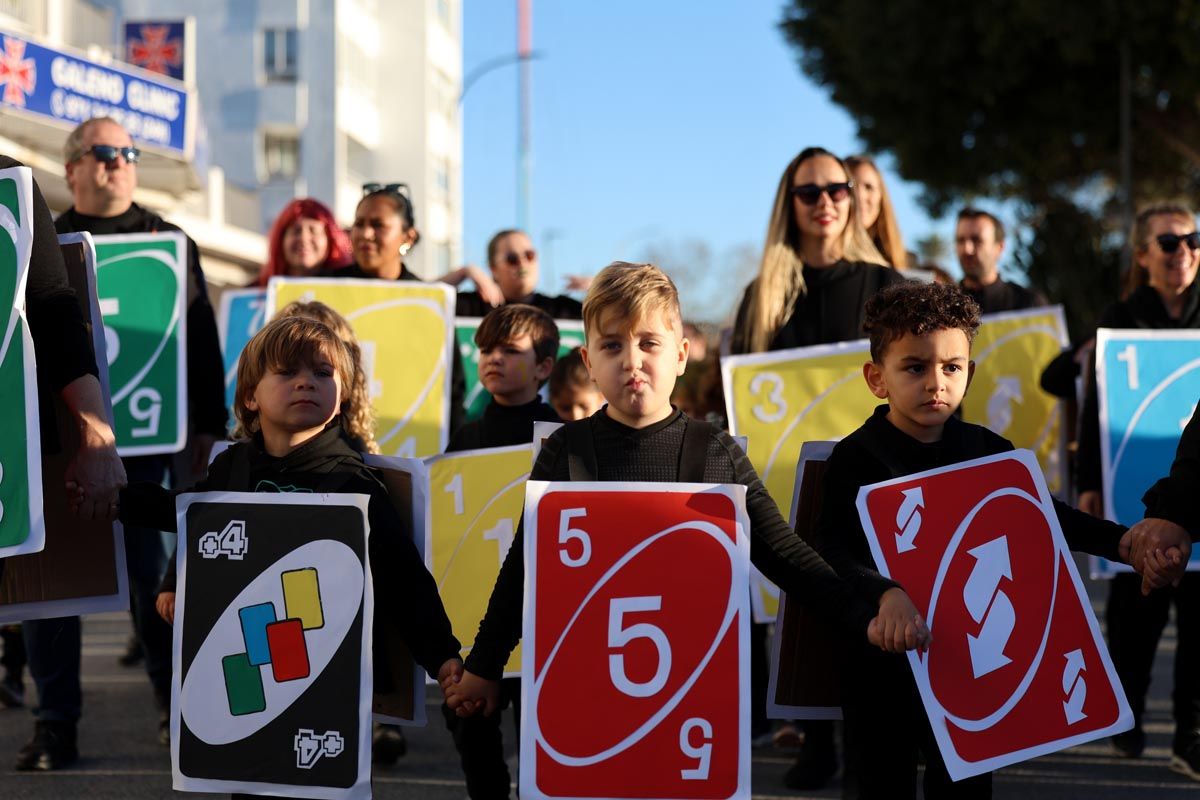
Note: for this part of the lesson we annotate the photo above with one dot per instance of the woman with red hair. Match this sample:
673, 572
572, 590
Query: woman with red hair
305, 240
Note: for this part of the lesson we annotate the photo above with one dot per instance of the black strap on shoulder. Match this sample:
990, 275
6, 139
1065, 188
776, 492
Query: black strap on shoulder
694, 452
581, 450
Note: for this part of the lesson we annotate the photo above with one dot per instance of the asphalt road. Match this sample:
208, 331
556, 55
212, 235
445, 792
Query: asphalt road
121, 757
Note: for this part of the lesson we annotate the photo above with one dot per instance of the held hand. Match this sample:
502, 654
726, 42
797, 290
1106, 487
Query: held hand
1090, 502
202, 445
473, 694
165, 605
899, 626
1156, 534
1160, 569
487, 288
95, 472
450, 673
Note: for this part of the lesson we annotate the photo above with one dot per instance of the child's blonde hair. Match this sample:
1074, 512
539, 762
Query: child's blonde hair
358, 417
632, 292
281, 344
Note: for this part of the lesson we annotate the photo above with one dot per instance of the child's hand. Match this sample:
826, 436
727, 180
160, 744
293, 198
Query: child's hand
450, 673
165, 605
1162, 568
472, 694
899, 626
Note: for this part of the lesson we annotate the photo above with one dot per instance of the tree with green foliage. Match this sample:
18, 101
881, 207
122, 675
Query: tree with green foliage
1019, 100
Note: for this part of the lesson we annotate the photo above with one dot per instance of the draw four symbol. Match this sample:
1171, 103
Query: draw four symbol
311, 746
908, 519
231, 542
989, 606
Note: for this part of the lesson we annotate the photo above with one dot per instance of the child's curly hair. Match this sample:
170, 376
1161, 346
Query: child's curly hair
358, 418
917, 308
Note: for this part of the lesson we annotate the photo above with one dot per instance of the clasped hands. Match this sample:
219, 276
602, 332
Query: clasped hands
1159, 550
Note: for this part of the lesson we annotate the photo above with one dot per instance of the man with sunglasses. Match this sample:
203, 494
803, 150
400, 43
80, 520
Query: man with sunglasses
101, 168
979, 244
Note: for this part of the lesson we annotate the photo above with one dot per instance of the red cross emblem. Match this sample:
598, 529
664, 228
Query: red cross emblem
18, 74
154, 51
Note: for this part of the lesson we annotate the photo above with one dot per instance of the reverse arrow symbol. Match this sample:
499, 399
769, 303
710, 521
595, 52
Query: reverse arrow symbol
1074, 687
988, 605
999, 407
908, 519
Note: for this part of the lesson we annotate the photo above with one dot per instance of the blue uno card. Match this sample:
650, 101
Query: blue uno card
1148, 383
238, 319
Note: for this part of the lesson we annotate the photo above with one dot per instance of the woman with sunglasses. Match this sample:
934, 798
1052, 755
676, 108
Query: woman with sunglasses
304, 241
819, 267
514, 265
1160, 293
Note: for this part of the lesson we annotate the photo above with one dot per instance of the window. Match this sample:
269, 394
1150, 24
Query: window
441, 177
280, 47
281, 155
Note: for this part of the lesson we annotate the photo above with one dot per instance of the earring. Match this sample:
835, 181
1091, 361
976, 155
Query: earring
404, 248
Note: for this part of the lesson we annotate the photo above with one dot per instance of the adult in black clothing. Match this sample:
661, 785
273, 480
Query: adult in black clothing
1163, 295
819, 268
514, 265
101, 166
383, 233
979, 244
67, 367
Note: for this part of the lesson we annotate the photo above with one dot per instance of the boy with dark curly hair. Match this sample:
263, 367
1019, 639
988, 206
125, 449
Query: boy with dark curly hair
921, 365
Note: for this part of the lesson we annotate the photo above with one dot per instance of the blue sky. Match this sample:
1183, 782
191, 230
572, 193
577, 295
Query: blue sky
654, 124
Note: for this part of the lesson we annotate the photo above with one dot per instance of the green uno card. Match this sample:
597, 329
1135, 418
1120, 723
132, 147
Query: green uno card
570, 336
142, 284
22, 528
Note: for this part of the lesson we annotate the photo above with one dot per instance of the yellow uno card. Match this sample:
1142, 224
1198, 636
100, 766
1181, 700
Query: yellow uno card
476, 498
406, 332
302, 598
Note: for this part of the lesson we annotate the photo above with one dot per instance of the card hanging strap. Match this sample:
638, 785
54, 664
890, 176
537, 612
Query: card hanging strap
694, 452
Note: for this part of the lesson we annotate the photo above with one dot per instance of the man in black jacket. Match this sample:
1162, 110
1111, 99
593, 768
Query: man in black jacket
101, 167
979, 244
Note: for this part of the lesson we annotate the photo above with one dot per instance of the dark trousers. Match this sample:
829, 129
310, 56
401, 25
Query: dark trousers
53, 647
146, 560
1135, 624
886, 729
13, 657
480, 745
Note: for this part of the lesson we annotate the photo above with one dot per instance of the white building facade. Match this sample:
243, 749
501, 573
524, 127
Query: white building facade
317, 97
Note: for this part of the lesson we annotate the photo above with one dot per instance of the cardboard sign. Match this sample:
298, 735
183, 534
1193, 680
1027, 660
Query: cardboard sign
141, 280
1017, 668
570, 336
271, 682
242, 314
636, 620
81, 569
405, 329
476, 498
1148, 383
22, 529
803, 682
1010, 351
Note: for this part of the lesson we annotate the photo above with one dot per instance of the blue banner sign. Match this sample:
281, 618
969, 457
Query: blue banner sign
66, 87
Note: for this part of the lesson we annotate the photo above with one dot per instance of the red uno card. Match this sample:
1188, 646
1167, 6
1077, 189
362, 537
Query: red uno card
636, 641
1017, 668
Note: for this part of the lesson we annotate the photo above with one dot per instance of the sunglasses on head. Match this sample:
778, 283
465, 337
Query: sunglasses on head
107, 153
514, 259
1169, 242
390, 188
810, 193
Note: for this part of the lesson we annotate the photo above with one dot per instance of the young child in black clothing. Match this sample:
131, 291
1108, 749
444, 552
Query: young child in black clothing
290, 396
517, 345
573, 394
635, 351
921, 364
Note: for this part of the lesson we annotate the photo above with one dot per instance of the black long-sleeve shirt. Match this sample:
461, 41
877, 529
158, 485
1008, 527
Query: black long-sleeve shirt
653, 454
1174, 497
1000, 295
206, 369
61, 344
471, 304
406, 595
1142, 309
501, 426
831, 308
853, 464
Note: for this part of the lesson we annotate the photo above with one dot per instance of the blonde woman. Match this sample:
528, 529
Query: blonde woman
819, 265
876, 212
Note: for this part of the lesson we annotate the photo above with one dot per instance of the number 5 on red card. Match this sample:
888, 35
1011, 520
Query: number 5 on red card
636, 641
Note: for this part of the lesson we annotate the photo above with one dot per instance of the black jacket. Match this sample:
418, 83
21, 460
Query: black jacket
501, 426
1004, 296
1174, 497
405, 593
205, 367
470, 304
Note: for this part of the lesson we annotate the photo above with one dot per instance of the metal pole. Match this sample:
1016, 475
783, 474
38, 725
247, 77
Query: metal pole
524, 157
